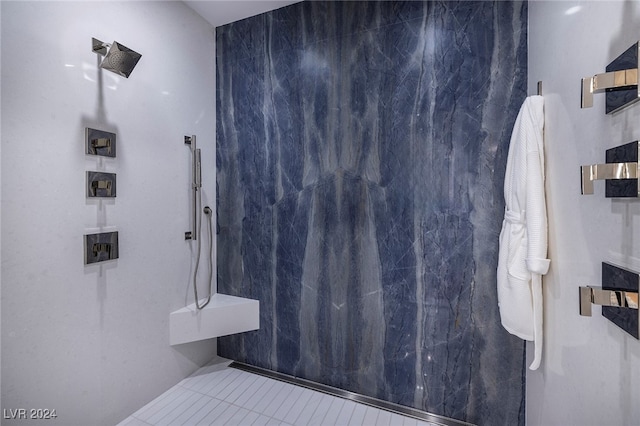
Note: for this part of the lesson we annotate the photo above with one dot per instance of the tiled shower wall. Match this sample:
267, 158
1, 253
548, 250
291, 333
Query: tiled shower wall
361, 149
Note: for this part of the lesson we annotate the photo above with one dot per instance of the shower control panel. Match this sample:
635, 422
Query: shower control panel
101, 184
100, 142
100, 247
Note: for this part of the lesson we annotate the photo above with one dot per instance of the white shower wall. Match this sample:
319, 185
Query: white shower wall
92, 342
590, 373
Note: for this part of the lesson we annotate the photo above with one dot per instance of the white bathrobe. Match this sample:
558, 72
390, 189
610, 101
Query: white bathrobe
523, 240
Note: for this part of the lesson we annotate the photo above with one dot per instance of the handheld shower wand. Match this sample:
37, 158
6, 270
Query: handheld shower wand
197, 170
207, 212
196, 185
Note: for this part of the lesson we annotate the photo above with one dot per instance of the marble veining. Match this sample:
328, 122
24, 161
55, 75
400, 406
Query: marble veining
361, 149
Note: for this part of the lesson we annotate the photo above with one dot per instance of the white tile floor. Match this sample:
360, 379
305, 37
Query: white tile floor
219, 395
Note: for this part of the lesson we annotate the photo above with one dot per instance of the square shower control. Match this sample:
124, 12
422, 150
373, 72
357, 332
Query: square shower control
100, 142
101, 184
100, 247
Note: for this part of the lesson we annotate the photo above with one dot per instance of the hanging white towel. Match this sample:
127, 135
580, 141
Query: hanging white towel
522, 259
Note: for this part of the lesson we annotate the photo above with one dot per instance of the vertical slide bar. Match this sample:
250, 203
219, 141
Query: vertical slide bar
196, 183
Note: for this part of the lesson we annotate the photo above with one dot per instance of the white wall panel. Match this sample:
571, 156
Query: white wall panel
590, 373
92, 342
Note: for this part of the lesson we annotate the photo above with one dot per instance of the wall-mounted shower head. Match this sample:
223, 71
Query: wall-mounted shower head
117, 57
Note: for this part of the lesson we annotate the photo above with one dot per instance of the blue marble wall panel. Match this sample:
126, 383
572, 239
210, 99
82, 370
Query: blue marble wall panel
361, 149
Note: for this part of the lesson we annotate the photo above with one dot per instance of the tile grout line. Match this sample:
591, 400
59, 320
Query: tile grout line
186, 408
255, 395
299, 395
368, 401
205, 415
231, 404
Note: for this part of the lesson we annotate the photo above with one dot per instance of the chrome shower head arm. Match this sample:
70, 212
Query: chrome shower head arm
99, 47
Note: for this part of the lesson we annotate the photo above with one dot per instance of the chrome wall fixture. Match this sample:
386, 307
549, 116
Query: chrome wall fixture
620, 82
618, 298
118, 58
618, 295
196, 184
597, 296
621, 171
100, 142
103, 246
100, 247
100, 184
